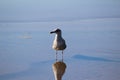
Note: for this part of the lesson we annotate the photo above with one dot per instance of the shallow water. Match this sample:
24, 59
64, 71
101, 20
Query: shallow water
93, 50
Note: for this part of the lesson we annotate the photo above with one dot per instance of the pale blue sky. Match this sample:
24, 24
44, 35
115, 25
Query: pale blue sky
57, 10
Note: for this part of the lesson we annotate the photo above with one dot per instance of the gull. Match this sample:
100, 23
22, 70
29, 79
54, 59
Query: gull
59, 42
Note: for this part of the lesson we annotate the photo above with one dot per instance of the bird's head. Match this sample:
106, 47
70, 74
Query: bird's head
57, 31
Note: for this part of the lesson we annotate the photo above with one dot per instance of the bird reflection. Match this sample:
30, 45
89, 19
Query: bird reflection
59, 69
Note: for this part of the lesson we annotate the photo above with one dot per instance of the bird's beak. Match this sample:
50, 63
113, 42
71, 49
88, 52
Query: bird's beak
52, 32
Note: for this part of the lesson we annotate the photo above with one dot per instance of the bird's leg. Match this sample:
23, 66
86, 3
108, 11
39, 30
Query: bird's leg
56, 55
62, 55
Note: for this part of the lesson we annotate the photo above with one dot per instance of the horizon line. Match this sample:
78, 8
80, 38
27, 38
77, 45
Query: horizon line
55, 20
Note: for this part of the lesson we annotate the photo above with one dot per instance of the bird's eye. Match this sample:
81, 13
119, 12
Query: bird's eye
58, 30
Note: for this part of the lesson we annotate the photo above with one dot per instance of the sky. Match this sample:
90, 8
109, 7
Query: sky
57, 10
